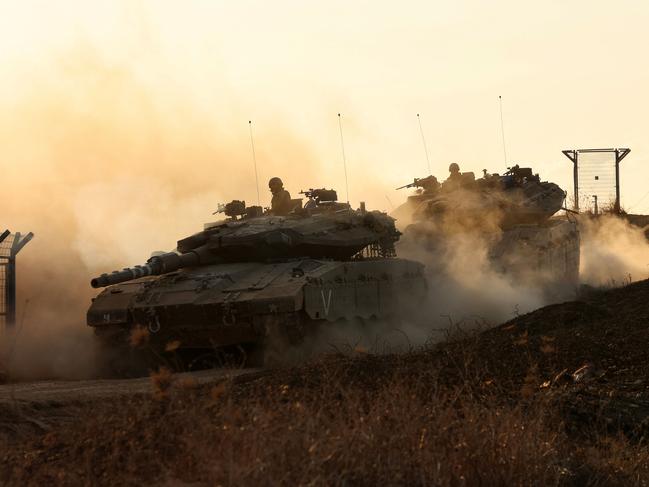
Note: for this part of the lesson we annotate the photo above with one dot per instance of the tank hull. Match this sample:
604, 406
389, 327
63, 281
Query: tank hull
545, 255
243, 304
548, 253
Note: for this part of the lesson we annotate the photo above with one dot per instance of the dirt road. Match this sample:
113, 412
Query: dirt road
33, 408
47, 392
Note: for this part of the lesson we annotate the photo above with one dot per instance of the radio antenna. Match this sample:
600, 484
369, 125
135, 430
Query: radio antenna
502, 127
389, 201
342, 146
423, 140
254, 161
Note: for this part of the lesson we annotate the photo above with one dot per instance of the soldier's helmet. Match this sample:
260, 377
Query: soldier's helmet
275, 183
454, 167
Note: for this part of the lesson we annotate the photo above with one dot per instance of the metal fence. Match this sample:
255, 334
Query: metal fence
596, 174
5, 261
10, 245
597, 186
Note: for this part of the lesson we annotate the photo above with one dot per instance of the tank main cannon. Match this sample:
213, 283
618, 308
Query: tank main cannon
155, 266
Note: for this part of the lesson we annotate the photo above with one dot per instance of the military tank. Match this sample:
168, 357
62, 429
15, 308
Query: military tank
259, 282
513, 214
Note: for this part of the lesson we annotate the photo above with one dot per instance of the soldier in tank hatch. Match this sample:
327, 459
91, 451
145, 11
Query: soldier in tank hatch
454, 180
281, 203
454, 169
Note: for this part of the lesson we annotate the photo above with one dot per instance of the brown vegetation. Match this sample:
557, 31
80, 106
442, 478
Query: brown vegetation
555, 397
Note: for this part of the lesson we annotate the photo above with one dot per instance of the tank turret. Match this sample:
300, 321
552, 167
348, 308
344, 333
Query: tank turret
513, 212
517, 197
337, 235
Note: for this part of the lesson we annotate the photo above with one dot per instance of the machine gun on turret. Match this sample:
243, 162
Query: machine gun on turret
428, 184
236, 209
322, 199
321, 195
519, 174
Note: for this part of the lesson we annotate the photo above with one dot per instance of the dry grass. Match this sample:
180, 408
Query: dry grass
139, 336
162, 380
325, 429
555, 397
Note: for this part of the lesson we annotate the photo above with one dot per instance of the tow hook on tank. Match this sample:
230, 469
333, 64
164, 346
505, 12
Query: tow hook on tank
154, 326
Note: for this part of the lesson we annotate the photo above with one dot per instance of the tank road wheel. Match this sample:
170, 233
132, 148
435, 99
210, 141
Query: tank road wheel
210, 360
122, 362
217, 358
115, 358
276, 346
281, 344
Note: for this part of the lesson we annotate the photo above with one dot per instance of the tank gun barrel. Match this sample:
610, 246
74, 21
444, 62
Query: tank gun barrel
127, 274
155, 266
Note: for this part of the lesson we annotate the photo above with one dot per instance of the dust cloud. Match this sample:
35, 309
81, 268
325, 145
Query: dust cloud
613, 252
105, 167
106, 162
466, 290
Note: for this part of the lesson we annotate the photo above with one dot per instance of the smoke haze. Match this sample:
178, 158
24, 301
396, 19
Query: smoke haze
613, 252
104, 173
123, 124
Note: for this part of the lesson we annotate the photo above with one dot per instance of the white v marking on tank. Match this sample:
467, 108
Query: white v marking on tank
326, 303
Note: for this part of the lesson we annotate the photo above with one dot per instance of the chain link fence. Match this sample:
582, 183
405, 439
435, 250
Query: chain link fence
10, 245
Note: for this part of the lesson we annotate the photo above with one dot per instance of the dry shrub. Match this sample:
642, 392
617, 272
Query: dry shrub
162, 381
393, 439
186, 383
172, 346
139, 336
538, 401
404, 430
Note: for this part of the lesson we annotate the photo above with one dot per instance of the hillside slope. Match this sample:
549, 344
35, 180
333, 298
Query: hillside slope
558, 396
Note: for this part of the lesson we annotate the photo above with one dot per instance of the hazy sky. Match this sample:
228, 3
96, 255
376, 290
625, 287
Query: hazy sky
572, 74
124, 123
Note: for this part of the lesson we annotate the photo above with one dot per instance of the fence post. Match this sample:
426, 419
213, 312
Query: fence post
16, 246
